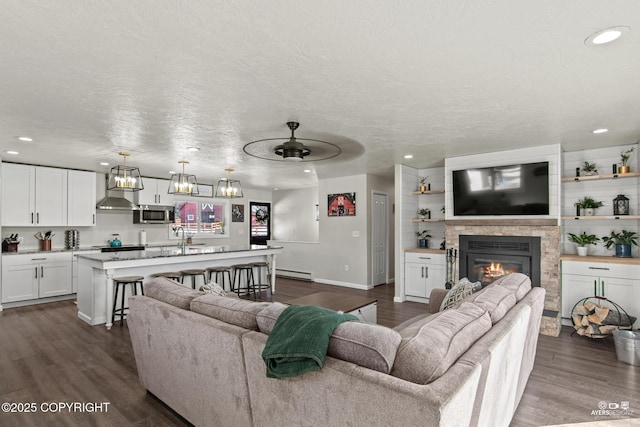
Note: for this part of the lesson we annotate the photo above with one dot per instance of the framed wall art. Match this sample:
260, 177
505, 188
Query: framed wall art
341, 204
237, 213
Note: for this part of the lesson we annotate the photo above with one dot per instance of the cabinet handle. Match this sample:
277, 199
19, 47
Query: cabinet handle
38, 259
94, 219
603, 289
422, 272
595, 287
426, 272
158, 198
424, 257
31, 217
36, 272
599, 268
38, 218
41, 271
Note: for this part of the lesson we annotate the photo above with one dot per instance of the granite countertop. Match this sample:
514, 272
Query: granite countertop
161, 252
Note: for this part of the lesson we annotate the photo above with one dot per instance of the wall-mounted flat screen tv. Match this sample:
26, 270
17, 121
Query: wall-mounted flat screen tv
502, 190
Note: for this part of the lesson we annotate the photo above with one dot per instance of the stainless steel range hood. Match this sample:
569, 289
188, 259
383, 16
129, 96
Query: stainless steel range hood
115, 201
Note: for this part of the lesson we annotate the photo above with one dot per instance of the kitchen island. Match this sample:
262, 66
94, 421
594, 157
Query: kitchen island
96, 271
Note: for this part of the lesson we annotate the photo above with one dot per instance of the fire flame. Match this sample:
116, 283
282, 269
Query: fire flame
494, 270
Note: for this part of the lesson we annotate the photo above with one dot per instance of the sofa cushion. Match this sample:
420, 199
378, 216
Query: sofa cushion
365, 344
429, 347
171, 292
496, 300
237, 312
457, 293
518, 283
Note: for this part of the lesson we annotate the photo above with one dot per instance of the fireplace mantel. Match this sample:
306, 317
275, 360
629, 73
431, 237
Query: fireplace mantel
503, 222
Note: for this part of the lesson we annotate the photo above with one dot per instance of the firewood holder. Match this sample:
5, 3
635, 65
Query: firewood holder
622, 316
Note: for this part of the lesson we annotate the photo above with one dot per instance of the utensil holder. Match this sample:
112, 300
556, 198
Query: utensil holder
45, 245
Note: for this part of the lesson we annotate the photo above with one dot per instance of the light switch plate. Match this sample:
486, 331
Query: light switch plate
355, 234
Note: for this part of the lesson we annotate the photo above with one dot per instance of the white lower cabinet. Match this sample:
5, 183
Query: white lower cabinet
32, 276
422, 273
616, 282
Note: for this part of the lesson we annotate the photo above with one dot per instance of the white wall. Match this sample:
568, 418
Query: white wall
295, 215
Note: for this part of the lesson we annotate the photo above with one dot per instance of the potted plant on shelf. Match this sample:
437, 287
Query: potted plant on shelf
590, 168
582, 240
622, 241
624, 158
423, 186
424, 213
588, 205
423, 238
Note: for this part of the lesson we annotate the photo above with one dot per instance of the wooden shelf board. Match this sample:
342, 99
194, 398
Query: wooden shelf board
417, 193
597, 177
607, 259
428, 220
595, 217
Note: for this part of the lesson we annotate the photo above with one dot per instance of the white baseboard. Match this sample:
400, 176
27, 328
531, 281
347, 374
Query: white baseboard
293, 274
344, 284
397, 299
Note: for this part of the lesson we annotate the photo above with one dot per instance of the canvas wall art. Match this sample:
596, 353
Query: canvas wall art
341, 204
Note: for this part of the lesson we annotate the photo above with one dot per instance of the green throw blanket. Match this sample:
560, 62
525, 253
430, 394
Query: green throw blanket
299, 340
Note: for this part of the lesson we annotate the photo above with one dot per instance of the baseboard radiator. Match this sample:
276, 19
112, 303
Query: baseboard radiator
293, 274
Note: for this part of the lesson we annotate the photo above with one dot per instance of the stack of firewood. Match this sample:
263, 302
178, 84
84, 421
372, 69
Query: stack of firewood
598, 321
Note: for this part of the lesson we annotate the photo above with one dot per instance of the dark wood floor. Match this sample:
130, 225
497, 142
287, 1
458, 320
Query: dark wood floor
47, 355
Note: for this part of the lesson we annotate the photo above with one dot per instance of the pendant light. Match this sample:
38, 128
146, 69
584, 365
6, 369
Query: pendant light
123, 177
229, 188
182, 183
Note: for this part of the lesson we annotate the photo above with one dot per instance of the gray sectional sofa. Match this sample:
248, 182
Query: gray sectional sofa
468, 365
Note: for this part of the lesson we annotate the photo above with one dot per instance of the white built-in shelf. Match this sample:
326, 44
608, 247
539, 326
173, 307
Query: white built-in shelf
417, 193
596, 177
428, 220
594, 217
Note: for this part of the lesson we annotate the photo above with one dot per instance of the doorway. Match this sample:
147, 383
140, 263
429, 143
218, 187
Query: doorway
260, 223
379, 238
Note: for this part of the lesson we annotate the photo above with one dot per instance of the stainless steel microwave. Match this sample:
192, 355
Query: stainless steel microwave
152, 214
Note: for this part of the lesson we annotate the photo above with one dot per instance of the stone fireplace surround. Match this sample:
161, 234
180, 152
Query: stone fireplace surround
549, 233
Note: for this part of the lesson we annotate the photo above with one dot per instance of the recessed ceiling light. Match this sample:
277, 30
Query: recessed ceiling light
11, 152
104, 164
307, 170
193, 149
606, 36
408, 156
601, 130
25, 139
275, 188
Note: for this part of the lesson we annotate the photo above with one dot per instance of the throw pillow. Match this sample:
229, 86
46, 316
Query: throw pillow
460, 290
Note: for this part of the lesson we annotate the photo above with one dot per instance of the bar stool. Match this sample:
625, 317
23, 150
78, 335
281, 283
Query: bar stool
238, 269
258, 287
220, 271
193, 273
122, 282
174, 275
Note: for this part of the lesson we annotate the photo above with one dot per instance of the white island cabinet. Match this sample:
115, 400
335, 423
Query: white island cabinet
97, 271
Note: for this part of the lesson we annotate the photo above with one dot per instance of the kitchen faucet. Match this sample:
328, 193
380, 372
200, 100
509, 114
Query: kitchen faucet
182, 242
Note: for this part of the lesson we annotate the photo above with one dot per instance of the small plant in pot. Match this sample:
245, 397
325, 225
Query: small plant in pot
423, 184
423, 238
588, 205
424, 213
624, 158
590, 168
583, 240
623, 242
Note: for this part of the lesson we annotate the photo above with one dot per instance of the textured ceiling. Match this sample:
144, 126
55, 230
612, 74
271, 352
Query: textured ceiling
382, 79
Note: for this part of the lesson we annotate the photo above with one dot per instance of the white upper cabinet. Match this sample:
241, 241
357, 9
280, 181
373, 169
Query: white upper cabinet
154, 193
81, 198
33, 195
